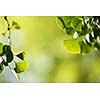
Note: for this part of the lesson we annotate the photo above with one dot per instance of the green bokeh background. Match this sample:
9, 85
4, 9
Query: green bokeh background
48, 60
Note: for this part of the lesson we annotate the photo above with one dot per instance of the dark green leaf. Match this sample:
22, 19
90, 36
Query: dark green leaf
5, 63
72, 46
7, 51
77, 24
22, 55
1, 68
96, 32
21, 66
91, 38
70, 31
85, 49
97, 46
6, 48
85, 30
9, 56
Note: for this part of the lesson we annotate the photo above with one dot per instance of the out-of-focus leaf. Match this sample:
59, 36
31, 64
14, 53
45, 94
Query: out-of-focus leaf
85, 30
15, 25
80, 17
97, 46
85, 49
72, 46
96, 32
21, 66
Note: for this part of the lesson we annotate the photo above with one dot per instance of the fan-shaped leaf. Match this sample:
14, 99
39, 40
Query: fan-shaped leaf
85, 49
21, 66
72, 46
22, 55
7, 51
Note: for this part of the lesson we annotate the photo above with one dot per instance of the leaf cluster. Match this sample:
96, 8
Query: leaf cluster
7, 56
83, 33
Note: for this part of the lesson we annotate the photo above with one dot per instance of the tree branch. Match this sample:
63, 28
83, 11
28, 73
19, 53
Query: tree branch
8, 28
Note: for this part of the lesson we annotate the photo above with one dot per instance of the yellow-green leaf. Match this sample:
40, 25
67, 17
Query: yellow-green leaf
72, 46
1, 47
60, 23
21, 66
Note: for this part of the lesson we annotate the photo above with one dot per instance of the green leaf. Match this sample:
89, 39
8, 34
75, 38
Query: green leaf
9, 56
70, 31
80, 17
67, 20
91, 38
7, 51
6, 48
85, 30
97, 46
85, 49
21, 66
1, 47
5, 63
77, 24
72, 46
96, 32
60, 23
15, 25
22, 55
1, 68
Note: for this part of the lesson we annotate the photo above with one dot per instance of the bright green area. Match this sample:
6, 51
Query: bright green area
48, 61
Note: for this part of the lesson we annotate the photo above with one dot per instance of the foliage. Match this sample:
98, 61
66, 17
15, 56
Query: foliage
7, 56
83, 33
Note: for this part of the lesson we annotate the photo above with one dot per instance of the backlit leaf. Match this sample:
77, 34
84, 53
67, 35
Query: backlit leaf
21, 66
60, 23
72, 46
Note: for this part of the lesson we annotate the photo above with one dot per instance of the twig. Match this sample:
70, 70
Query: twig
8, 28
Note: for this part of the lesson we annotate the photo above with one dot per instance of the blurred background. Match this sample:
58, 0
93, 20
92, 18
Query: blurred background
48, 60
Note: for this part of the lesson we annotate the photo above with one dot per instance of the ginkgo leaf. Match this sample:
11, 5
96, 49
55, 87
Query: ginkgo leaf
72, 46
22, 55
60, 23
15, 25
7, 51
85, 49
21, 66
77, 24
